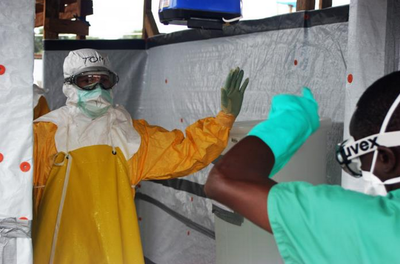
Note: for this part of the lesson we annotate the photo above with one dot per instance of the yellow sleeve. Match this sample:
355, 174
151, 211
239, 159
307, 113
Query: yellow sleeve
41, 108
168, 154
44, 149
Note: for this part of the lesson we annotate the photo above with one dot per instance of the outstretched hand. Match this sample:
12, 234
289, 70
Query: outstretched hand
233, 92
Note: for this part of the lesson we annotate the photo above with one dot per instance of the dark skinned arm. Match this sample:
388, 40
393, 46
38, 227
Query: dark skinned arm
240, 180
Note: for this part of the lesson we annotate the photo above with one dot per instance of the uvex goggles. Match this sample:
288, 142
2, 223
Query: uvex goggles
349, 151
88, 80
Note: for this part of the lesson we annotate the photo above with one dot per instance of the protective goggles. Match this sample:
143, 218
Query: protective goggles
89, 79
348, 152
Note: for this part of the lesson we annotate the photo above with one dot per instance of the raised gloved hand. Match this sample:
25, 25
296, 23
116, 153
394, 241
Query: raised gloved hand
232, 93
292, 119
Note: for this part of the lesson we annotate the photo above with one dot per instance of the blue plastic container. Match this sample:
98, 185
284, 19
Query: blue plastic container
223, 6
199, 13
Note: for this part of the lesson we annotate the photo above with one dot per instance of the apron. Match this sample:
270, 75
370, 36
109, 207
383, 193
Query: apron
87, 213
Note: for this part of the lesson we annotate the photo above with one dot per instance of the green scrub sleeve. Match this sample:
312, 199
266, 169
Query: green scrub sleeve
328, 224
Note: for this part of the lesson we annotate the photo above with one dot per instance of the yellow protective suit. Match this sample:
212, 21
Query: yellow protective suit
89, 193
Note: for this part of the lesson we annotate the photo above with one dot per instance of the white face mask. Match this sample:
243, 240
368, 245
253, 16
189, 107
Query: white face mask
373, 185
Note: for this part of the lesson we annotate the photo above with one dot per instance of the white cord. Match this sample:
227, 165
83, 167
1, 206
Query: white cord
389, 114
235, 18
232, 20
384, 126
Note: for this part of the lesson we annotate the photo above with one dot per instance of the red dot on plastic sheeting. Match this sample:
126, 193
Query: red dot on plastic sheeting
139, 218
139, 185
306, 16
188, 233
295, 62
191, 199
350, 78
166, 80
23, 218
1, 157
2, 69
25, 166
181, 120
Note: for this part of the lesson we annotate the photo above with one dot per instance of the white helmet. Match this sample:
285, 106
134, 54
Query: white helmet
81, 60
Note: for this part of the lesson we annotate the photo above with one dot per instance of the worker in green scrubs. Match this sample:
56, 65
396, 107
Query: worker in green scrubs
325, 223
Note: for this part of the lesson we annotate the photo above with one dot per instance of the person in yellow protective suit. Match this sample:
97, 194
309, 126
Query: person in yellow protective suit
90, 154
39, 102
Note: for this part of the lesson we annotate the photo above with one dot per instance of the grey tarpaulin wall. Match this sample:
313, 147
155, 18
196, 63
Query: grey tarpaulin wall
173, 80
374, 45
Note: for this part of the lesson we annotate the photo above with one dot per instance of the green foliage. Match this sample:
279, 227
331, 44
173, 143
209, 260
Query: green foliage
136, 34
38, 41
38, 44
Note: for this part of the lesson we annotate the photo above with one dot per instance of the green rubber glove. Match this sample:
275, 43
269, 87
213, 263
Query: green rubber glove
232, 94
291, 120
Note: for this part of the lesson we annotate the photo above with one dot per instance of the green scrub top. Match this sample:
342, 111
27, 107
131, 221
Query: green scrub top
328, 224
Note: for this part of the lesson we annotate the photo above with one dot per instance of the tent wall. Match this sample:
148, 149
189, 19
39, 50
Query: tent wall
176, 80
16, 107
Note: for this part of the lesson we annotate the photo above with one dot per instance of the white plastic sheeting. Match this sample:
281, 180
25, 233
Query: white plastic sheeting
374, 51
174, 85
16, 108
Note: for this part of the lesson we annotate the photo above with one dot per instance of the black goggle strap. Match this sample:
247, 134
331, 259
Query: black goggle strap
351, 166
69, 80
